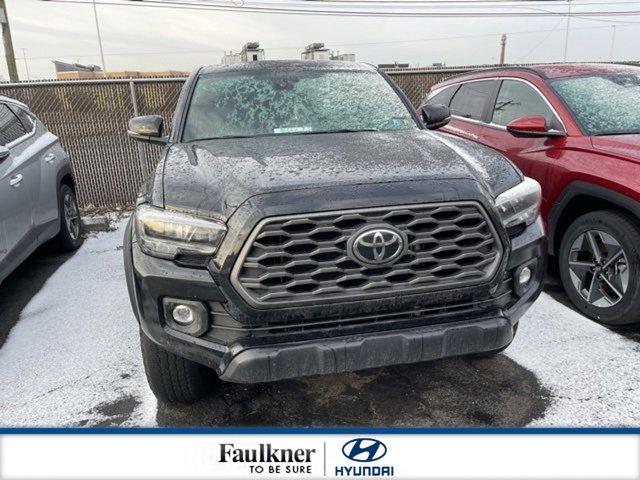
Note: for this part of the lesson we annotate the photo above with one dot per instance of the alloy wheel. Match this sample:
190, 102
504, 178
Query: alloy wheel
71, 216
599, 268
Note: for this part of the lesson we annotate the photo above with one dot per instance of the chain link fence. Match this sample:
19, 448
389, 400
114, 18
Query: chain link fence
90, 118
415, 83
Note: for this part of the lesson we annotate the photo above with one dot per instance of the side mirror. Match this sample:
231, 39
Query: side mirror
435, 116
532, 127
147, 128
4, 153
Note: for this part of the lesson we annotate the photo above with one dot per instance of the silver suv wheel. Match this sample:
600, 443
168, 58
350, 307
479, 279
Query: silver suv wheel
71, 216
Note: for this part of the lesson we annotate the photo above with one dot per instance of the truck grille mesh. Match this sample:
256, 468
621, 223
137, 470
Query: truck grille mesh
301, 259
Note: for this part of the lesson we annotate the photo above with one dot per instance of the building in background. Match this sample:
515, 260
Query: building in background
251, 52
75, 67
316, 51
77, 71
230, 58
385, 66
345, 57
65, 70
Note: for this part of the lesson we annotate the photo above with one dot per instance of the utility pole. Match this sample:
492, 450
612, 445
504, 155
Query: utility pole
8, 44
503, 46
95, 16
26, 65
566, 35
613, 41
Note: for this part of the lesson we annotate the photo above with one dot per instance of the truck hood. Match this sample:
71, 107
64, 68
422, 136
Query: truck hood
626, 146
212, 178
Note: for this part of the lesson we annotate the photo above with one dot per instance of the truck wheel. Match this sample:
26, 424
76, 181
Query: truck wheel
599, 266
70, 236
174, 379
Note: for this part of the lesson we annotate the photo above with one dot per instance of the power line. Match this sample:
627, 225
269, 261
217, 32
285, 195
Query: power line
350, 44
209, 6
546, 37
457, 2
215, 4
402, 3
429, 4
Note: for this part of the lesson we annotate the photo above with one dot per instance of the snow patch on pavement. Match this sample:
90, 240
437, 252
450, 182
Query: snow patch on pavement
591, 371
74, 357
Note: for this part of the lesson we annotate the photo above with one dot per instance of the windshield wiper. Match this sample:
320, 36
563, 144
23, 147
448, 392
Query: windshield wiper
344, 130
224, 137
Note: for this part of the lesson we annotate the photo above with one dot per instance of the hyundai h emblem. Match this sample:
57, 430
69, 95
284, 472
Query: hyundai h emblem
377, 245
364, 450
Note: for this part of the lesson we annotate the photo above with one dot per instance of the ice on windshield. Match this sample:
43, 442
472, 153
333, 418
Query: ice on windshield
603, 104
268, 103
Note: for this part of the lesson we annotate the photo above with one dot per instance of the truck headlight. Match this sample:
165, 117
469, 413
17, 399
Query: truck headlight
165, 234
520, 205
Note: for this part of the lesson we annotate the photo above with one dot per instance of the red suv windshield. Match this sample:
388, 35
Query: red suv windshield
603, 104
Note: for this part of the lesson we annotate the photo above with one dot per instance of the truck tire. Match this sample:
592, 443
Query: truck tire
600, 267
174, 379
70, 236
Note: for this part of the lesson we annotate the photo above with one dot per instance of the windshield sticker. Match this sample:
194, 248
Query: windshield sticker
292, 129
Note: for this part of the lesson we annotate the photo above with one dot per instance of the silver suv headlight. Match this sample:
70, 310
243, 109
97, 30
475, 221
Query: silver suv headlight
165, 234
520, 204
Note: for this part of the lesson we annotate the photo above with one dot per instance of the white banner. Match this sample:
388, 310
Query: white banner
416, 456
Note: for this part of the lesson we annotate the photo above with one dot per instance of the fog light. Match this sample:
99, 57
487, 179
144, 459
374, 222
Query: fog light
524, 276
186, 316
182, 314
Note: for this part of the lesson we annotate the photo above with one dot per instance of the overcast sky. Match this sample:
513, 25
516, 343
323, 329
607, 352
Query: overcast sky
137, 38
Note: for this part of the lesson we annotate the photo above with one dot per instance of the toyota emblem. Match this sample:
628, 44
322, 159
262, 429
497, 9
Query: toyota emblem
377, 245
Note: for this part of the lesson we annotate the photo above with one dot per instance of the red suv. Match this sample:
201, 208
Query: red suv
575, 128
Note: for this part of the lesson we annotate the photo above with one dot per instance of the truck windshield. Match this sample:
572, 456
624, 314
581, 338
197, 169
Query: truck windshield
284, 102
603, 104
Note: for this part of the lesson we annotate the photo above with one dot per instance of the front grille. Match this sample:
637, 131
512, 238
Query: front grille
225, 329
302, 259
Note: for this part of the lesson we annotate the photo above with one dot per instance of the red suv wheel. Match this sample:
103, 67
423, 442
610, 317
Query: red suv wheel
599, 265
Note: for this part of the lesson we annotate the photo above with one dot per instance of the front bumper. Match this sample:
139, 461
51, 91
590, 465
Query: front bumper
344, 354
150, 279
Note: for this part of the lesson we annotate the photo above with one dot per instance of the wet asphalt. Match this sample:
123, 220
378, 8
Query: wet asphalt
452, 392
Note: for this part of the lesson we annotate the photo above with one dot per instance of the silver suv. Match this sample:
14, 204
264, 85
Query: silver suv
37, 188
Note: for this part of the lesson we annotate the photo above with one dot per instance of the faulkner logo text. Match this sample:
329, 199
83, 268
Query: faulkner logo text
266, 458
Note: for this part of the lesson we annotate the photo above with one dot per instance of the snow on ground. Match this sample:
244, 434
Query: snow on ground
74, 359
591, 371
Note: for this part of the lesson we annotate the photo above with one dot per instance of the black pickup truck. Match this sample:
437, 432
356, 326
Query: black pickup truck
304, 219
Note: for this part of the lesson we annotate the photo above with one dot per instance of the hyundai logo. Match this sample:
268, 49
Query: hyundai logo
377, 245
364, 450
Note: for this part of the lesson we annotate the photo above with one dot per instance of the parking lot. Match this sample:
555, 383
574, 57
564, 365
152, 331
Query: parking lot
69, 356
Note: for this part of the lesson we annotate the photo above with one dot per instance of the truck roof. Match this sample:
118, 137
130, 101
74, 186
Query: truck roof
295, 65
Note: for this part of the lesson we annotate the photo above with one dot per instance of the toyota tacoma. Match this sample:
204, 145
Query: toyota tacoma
303, 219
